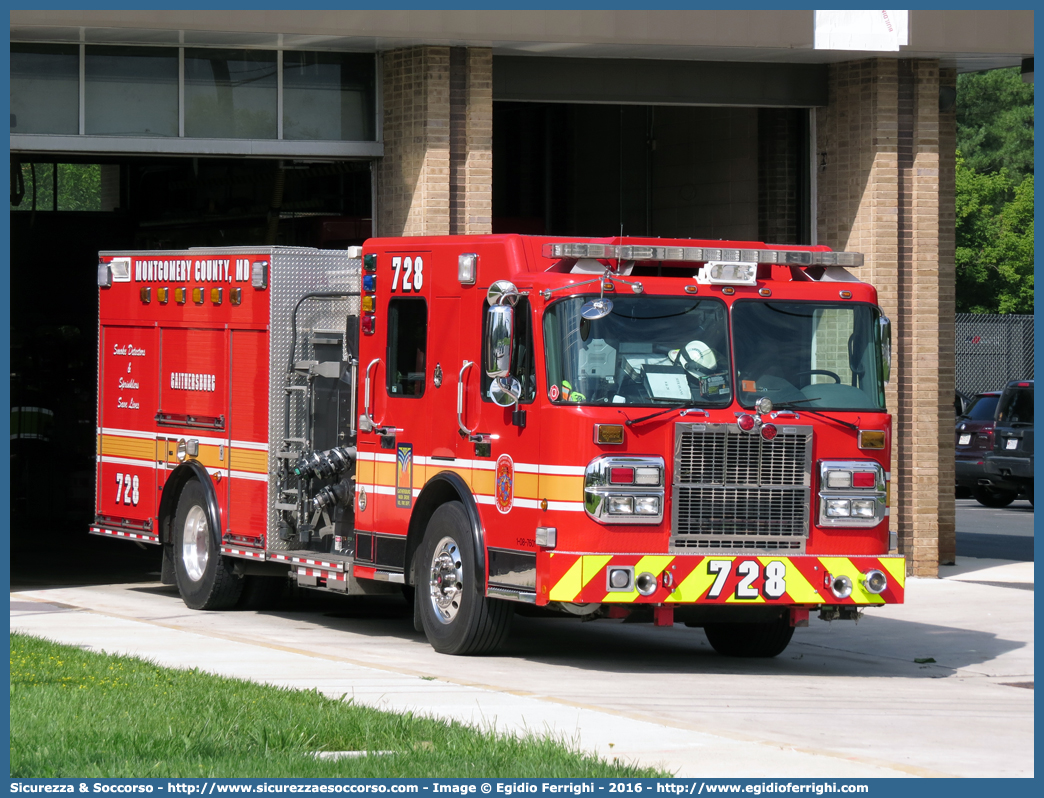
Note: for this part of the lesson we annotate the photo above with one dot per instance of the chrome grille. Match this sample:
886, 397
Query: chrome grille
735, 491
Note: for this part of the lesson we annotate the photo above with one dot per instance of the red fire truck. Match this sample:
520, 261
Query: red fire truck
667, 430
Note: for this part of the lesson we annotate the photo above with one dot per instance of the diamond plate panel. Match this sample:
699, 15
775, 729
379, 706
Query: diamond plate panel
295, 272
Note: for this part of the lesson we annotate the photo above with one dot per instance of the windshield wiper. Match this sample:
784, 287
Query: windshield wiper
633, 421
785, 405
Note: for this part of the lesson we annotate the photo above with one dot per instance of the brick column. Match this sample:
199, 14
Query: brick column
886, 191
436, 174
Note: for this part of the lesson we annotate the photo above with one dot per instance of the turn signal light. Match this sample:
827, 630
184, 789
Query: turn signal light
871, 439
609, 433
621, 476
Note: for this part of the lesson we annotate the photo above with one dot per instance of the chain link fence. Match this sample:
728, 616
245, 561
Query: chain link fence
990, 350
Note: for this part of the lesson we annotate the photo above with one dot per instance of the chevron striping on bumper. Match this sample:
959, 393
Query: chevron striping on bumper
568, 587
842, 566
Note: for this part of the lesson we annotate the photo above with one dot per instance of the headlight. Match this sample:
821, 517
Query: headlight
851, 493
624, 489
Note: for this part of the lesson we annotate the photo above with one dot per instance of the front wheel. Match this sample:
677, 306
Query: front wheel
205, 580
750, 639
455, 613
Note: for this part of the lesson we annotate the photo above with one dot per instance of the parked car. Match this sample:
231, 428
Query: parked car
1011, 461
973, 440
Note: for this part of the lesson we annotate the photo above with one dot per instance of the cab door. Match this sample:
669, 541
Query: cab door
400, 386
505, 469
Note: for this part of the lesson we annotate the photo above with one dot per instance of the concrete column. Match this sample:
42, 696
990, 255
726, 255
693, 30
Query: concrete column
885, 186
436, 174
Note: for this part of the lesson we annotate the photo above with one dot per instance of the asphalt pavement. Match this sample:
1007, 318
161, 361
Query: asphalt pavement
1002, 532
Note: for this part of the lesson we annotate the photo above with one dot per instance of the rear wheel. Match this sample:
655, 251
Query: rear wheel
991, 497
750, 639
205, 580
455, 613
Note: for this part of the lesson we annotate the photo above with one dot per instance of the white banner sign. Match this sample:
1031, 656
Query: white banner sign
861, 30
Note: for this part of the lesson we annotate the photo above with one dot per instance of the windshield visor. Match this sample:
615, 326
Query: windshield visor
808, 354
648, 351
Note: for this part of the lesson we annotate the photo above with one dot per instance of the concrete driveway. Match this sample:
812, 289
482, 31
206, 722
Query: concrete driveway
844, 700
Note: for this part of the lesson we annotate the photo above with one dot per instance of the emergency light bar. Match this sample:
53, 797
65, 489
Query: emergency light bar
703, 254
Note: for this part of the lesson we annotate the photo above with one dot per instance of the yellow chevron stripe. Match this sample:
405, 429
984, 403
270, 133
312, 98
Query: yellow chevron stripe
896, 567
798, 587
838, 566
568, 587
593, 565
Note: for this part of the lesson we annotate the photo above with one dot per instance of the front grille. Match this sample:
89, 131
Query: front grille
736, 491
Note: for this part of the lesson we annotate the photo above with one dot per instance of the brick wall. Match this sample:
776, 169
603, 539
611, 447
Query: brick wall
436, 174
885, 187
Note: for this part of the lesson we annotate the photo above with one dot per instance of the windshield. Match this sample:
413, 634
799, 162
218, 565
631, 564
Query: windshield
808, 354
648, 351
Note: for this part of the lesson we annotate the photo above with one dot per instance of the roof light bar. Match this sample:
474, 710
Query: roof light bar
781, 257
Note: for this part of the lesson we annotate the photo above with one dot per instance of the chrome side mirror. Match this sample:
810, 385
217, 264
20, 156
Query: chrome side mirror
505, 391
885, 327
502, 292
499, 339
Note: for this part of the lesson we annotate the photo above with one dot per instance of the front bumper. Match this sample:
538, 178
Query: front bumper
725, 580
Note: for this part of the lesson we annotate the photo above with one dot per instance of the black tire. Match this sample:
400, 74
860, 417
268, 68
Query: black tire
205, 578
455, 613
750, 639
990, 497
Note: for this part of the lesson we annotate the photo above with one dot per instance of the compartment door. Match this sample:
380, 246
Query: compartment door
127, 394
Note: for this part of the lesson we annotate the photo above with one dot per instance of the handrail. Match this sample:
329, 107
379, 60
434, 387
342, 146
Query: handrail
460, 399
366, 395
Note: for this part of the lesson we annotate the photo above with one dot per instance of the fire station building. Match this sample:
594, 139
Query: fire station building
174, 129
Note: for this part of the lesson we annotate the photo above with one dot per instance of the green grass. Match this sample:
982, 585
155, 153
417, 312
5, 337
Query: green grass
76, 713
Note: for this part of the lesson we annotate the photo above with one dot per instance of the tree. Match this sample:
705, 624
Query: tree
994, 255
995, 122
994, 199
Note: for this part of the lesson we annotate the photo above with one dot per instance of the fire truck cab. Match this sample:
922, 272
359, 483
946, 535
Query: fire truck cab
667, 430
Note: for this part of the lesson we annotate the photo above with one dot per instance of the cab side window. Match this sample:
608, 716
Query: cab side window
523, 362
407, 346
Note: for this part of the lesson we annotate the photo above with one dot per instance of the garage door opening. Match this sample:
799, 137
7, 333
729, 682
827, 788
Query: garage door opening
668, 171
64, 210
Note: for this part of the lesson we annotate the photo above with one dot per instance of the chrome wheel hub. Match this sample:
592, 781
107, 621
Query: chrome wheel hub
446, 580
194, 550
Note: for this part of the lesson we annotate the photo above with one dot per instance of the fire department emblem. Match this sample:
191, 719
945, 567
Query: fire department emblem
505, 484
404, 476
